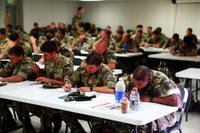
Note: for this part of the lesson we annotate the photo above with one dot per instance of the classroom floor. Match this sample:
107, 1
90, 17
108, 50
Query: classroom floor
191, 126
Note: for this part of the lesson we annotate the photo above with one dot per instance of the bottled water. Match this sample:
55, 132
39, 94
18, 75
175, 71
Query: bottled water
119, 90
134, 99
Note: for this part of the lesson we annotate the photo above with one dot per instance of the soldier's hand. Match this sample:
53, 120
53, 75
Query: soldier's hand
43, 79
84, 89
67, 87
145, 98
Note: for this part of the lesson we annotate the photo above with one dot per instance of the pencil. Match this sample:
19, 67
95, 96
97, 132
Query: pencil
101, 104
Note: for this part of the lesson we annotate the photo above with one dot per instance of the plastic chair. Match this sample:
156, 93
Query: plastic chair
184, 98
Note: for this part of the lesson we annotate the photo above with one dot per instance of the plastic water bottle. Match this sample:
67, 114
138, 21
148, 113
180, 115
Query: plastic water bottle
125, 47
119, 90
135, 100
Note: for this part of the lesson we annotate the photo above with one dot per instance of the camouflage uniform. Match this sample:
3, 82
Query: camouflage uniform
3, 41
111, 44
159, 86
27, 49
64, 48
174, 45
103, 77
109, 57
136, 43
60, 70
161, 41
194, 39
75, 20
147, 37
22, 69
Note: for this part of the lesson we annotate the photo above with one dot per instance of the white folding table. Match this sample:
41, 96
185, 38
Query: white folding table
31, 93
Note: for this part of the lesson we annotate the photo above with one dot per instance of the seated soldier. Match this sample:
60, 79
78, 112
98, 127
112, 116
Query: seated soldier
174, 43
188, 48
193, 36
108, 57
17, 70
105, 36
153, 86
118, 37
93, 77
137, 41
82, 41
156, 40
3, 38
16, 39
126, 40
148, 36
58, 69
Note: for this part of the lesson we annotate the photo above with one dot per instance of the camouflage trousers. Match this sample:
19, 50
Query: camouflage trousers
48, 116
157, 125
7, 118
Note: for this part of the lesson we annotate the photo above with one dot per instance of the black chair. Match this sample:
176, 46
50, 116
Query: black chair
184, 98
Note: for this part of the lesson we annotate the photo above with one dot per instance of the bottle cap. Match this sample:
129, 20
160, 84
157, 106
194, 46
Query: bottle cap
135, 89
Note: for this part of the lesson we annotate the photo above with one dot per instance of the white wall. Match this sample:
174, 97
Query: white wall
47, 11
129, 14
2, 13
147, 12
188, 15
172, 18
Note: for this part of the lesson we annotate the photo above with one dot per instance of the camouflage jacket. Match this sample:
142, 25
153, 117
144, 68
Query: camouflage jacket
103, 77
159, 86
61, 70
22, 69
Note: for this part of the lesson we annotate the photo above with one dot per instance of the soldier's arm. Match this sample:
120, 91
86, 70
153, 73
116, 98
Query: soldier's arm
104, 89
172, 100
53, 81
108, 81
16, 78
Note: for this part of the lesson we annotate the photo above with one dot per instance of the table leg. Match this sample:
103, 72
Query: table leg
189, 99
151, 127
136, 129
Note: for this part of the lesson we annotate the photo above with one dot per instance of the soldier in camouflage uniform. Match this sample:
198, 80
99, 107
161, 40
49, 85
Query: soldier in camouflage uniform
3, 38
108, 57
154, 86
187, 48
15, 39
157, 40
93, 77
76, 21
174, 43
193, 36
18, 69
110, 42
64, 44
58, 69
148, 36
133, 44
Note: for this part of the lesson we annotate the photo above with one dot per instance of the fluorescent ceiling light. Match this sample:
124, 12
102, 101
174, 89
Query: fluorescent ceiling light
91, 0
